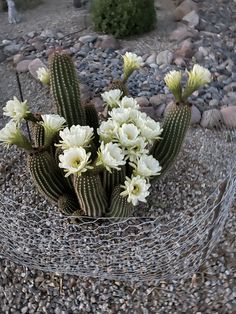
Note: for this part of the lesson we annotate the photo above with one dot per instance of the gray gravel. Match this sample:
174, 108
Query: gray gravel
213, 290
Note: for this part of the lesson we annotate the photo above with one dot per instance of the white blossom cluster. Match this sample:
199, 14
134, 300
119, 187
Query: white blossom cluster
126, 137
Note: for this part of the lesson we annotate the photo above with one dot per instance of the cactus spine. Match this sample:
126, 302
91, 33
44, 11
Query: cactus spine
65, 89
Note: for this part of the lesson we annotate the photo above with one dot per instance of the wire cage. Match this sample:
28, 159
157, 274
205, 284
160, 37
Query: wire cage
168, 238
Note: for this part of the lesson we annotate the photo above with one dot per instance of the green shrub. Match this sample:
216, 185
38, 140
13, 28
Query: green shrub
123, 18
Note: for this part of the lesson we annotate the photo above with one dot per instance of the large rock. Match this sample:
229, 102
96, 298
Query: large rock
229, 116
192, 18
109, 42
23, 66
184, 8
11, 49
183, 32
157, 100
185, 50
164, 57
142, 101
211, 119
195, 115
34, 66
152, 58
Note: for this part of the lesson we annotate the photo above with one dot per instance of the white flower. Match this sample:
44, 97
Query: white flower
128, 135
197, 77
150, 129
112, 97
173, 82
131, 62
124, 115
128, 102
76, 136
43, 75
136, 189
74, 160
107, 130
16, 110
147, 166
110, 156
11, 135
52, 123
134, 152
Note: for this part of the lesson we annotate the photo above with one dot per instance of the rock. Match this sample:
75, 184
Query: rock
192, 18
169, 106
164, 57
98, 103
47, 33
88, 39
183, 32
152, 58
196, 115
214, 103
85, 93
109, 42
185, 50
184, 8
38, 45
23, 66
150, 111
77, 3
230, 87
211, 118
201, 53
142, 101
17, 58
160, 110
179, 61
34, 66
12, 49
157, 100
229, 116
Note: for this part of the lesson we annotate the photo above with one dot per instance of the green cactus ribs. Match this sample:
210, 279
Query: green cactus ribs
175, 127
65, 89
119, 208
48, 178
91, 195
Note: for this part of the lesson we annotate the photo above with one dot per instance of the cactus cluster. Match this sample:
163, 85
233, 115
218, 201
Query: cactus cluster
80, 167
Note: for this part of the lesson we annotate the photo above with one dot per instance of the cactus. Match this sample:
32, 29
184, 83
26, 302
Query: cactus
108, 167
119, 206
91, 195
48, 178
65, 89
175, 126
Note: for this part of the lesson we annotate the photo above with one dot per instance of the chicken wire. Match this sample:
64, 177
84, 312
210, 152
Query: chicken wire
168, 238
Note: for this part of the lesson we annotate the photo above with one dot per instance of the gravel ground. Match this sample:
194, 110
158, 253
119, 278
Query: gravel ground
213, 290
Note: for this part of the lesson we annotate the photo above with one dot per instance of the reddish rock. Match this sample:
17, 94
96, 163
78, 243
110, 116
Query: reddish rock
17, 58
185, 50
150, 111
184, 8
98, 103
157, 100
183, 32
229, 116
23, 65
109, 42
142, 101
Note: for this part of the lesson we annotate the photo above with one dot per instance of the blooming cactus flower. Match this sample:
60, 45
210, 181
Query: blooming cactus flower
136, 188
197, 77
110, 156
147, 166
43, 75
52, 123
150, 129
16, 109
173, 82
112, 97
75, 136
131, 63
74, 160
107, 130
136, 151
128, 134
11, 135
128, 102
